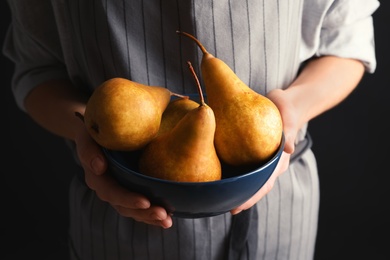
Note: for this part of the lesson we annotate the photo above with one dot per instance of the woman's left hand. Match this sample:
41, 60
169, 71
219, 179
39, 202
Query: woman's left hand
290, 130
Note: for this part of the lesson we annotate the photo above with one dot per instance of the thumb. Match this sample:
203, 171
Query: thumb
91, 155
289, 145
98, 165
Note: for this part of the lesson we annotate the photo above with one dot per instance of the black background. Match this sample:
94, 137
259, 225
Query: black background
351, 142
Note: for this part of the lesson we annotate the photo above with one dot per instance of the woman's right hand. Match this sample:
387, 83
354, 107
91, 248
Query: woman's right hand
125, 202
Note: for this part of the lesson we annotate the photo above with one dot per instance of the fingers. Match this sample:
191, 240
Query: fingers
154, 215
289, 145
106, 188
125, 202
267, 187
281, 167
109, 190
90, 154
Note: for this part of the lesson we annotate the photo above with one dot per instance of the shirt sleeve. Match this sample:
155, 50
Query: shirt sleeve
33, 45
348, 31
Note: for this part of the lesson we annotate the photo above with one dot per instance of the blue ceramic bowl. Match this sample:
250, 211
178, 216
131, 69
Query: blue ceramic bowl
193, 199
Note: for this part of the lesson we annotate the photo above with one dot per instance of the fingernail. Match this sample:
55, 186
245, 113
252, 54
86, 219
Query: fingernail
97, 165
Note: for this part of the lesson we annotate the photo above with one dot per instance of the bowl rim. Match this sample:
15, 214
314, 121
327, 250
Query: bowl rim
277, 154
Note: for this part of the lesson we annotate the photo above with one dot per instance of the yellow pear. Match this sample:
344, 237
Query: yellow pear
249, 125
175, 111
185, 153
125, 115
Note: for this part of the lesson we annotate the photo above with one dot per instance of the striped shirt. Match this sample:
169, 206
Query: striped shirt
264, 41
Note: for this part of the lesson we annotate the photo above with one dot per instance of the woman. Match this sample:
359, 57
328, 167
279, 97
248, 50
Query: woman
306, 56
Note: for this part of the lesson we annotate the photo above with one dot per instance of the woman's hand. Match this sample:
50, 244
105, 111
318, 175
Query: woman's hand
125, 202
53, 105
290, 130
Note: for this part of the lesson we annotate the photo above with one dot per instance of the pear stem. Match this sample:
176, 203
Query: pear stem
179, 95
197, 83
203, 49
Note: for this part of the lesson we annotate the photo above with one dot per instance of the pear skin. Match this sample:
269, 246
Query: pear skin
186, 153
249, 126
175, 111
124, 115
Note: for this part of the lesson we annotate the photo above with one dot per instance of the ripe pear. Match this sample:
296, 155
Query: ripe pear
249, 125
185, 153
124, 115
175, 111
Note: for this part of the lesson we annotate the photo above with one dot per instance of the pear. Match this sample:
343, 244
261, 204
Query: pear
175, 111
249, 125
186, 153
124, 115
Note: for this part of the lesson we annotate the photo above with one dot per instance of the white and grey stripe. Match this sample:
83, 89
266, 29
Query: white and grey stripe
138, 41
